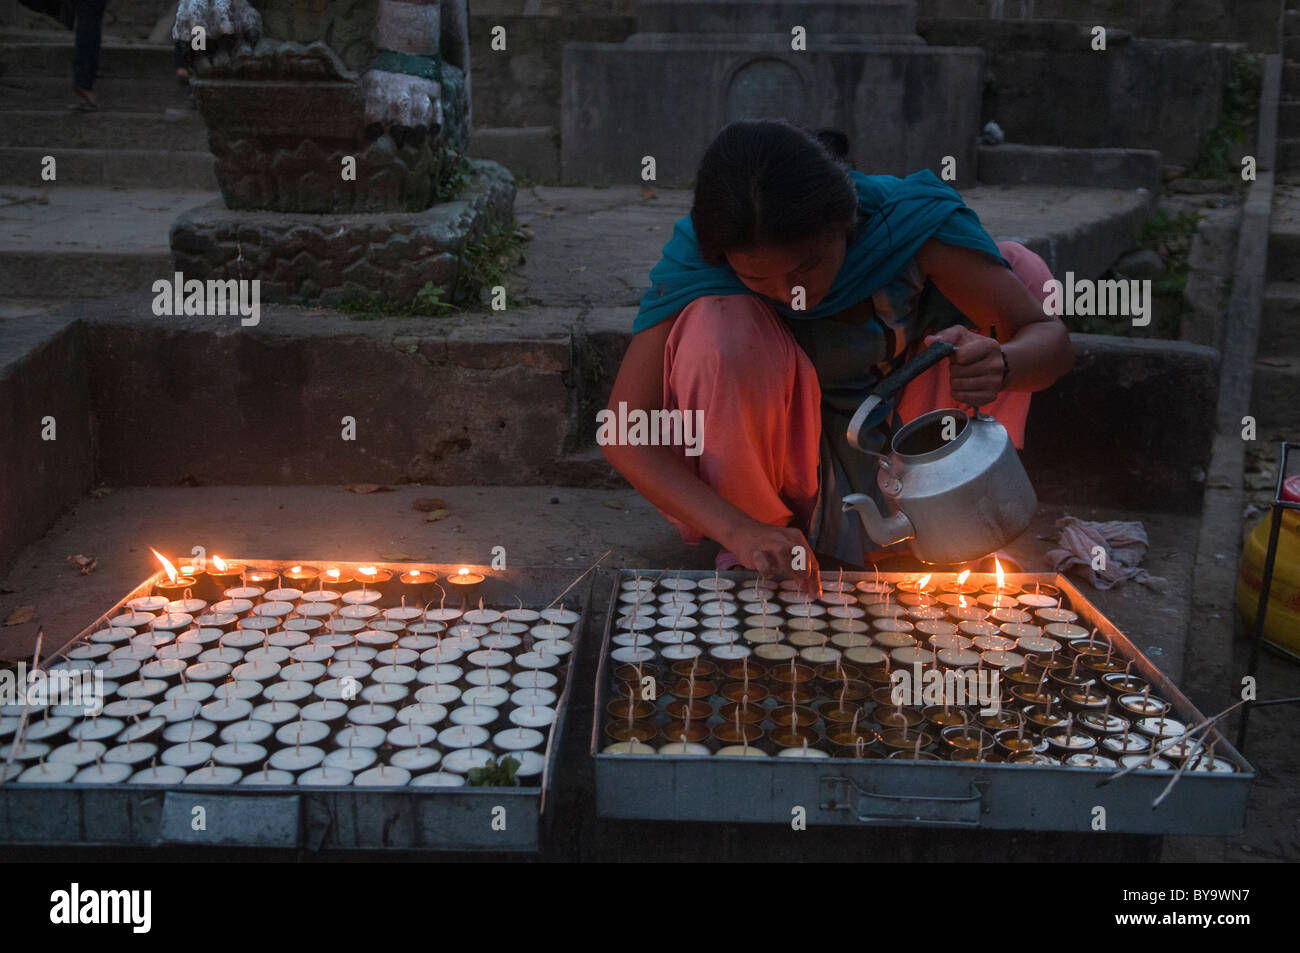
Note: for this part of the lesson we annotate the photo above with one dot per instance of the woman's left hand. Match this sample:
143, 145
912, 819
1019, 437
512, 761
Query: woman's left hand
975, 369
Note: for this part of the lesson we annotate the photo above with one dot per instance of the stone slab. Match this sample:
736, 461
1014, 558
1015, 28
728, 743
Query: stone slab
902, 107
304, 257
1011, 164
41, 376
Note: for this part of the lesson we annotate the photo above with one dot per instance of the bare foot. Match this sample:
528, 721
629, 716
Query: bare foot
86, 96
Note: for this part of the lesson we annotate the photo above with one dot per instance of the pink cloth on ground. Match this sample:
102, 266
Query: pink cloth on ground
732, 357
1011, 408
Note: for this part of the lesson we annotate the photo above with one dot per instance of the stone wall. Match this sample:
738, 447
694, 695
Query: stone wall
903, 107
42, 374
1254, 22
1045, 85
521, 86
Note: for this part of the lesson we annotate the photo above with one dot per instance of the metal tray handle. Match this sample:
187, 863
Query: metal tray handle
871, 807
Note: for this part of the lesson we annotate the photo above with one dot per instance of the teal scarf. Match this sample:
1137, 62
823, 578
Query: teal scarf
896, 217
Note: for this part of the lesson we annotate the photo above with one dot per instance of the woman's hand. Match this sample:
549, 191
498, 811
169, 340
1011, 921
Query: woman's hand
775, 551
975, 370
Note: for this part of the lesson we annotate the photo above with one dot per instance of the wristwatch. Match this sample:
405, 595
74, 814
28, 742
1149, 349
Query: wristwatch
1006, 368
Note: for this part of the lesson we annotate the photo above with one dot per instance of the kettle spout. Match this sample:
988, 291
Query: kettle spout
884, 530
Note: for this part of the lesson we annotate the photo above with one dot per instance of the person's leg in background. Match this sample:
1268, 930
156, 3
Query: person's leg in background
733, 358
88, 34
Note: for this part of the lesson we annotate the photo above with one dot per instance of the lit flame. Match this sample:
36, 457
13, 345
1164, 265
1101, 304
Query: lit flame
963, 576
332, 573
296, 569
997, 567
963, 601
922, 582
415, 572
166, 564
463, 571
186, 570
219, 563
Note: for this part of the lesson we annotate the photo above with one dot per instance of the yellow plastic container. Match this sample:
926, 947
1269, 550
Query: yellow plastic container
1282, 621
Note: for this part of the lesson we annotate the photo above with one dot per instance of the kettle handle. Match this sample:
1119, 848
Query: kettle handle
893, 382
863, 421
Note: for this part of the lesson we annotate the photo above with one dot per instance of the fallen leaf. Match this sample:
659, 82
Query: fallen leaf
20, 615
648, 193
435, 515
86, 564
1272, 362
101, 491
367, 488
612, 504
426, 503
398, 558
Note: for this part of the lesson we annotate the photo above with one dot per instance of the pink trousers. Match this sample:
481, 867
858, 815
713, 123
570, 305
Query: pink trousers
733, 357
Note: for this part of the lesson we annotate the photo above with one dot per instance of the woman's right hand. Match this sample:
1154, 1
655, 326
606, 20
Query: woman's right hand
775, 551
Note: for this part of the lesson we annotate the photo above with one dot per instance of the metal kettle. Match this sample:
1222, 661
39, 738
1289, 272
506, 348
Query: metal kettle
954, 483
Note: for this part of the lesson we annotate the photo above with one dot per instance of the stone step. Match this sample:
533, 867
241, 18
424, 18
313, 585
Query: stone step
114, 95
49, 270
178, 130
1279, 332
1288, 152
1288, 118
531, 153
117, 59
1291, 81
1014, 164
1274, 396
21, 165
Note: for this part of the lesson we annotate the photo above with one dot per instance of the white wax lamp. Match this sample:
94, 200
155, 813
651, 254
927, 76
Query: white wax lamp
302, 732
163, 774
494, 696
239, 755
104, 772
361, 736
438, 779
385, 693
412, 736
422, 713
129, 708
325, 777
415, 759
383, 776
518, 739
534, 679
249, 732
188, 754
275, 712
463, 736
186, 731
175, 709
297, 758
266, 776
351, 758
463, 759
78, 753
372, 713
534, 716
290, 691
